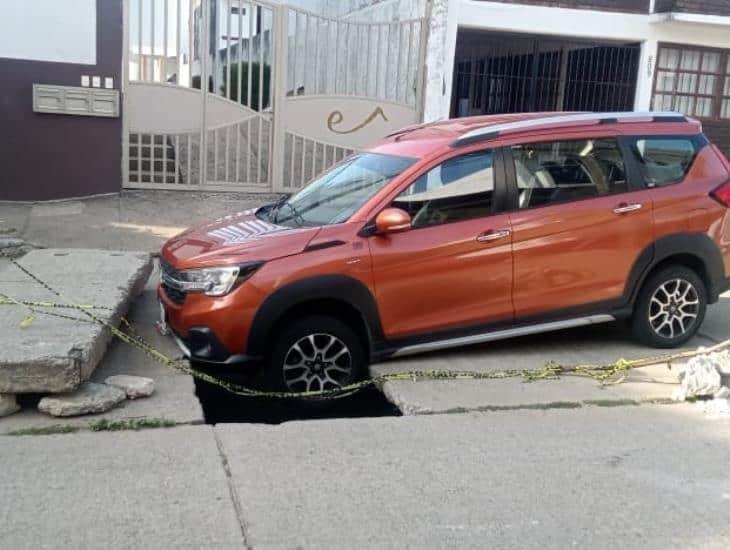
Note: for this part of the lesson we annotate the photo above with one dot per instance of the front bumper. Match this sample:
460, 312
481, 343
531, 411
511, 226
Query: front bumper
197, 339
201, 345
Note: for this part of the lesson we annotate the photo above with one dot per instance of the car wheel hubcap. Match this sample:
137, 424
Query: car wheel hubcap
317, 362
673, 308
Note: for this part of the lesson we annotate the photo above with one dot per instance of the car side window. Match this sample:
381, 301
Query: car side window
459, 188
665, 160
560, 171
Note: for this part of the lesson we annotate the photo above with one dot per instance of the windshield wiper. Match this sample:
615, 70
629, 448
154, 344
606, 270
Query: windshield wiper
297, 215
273, 211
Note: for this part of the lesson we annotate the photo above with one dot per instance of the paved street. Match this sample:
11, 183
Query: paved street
466, 161
649, 477
551, 464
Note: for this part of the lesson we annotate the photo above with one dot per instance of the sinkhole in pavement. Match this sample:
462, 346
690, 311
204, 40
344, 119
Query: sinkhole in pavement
220, 406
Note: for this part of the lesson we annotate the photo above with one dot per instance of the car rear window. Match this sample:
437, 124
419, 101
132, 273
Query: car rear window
665, 161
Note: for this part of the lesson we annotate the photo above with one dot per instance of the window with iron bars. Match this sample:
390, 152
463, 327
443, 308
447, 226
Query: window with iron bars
498, 73
693, 80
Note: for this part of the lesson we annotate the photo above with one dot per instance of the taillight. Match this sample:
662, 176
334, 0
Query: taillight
722, 194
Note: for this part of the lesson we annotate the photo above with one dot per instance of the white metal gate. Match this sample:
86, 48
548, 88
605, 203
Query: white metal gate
289, 92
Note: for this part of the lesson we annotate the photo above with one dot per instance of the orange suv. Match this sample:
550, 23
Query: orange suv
458, 232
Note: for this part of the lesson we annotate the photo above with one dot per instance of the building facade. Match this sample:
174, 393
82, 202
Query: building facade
587, 55
110, 94
53, 156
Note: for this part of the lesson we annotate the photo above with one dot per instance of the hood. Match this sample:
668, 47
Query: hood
234, 239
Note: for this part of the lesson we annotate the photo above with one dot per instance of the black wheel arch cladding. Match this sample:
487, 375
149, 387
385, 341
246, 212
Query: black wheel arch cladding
696, 246
338, 288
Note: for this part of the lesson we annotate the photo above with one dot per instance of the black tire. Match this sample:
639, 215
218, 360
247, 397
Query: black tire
663, 318
315, 369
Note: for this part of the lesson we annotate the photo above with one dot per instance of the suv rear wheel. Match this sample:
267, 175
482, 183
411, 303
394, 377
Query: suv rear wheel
315, 353
670, 307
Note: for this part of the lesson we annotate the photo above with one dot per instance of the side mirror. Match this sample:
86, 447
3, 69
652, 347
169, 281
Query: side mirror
392, 220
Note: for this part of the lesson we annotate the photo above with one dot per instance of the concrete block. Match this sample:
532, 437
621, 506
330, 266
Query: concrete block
133, 386
8, 405
90, 398
54, 355
13, 248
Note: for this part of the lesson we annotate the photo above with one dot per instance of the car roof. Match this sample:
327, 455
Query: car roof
422, 139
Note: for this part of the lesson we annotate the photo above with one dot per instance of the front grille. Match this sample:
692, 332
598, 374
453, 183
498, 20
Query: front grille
167, 271
177, 296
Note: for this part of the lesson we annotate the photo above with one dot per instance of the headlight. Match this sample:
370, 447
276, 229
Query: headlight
214, 281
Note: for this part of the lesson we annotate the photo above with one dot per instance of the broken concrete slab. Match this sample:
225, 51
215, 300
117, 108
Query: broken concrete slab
54, 355
174, 399
569, 392
8, 405
14, 248
133, 386
90, 398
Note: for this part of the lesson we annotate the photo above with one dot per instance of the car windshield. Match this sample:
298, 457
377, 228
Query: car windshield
335, 195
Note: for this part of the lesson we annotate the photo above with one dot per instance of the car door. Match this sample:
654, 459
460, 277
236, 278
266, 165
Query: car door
453, 267
579, 223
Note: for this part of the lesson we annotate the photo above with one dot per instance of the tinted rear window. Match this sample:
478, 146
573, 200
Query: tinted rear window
665, 160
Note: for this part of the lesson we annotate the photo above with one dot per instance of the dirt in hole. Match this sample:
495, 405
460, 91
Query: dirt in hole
220, 406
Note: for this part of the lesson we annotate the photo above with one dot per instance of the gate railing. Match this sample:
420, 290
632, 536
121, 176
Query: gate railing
248, 95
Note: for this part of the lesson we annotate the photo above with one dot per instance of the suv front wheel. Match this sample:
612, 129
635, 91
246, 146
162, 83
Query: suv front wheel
670, 307
315, 353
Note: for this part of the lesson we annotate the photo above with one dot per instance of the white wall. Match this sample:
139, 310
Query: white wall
587, 23
440, 59
63, 31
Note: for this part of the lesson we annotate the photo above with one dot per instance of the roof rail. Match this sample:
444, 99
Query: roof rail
495, 130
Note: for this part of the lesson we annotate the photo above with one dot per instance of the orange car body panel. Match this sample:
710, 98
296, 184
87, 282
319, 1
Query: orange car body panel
436, 278
577, 253
689, 207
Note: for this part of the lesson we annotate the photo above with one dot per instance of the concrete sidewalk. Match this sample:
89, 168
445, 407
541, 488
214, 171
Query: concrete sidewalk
174, 399
653, 476
132, 220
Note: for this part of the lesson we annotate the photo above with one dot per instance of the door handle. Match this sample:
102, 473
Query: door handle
625, 207
493, 235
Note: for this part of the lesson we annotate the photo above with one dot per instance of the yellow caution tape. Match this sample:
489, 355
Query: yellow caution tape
611, 373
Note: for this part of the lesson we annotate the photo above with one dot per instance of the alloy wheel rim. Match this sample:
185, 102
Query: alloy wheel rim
673, 308
317, 362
